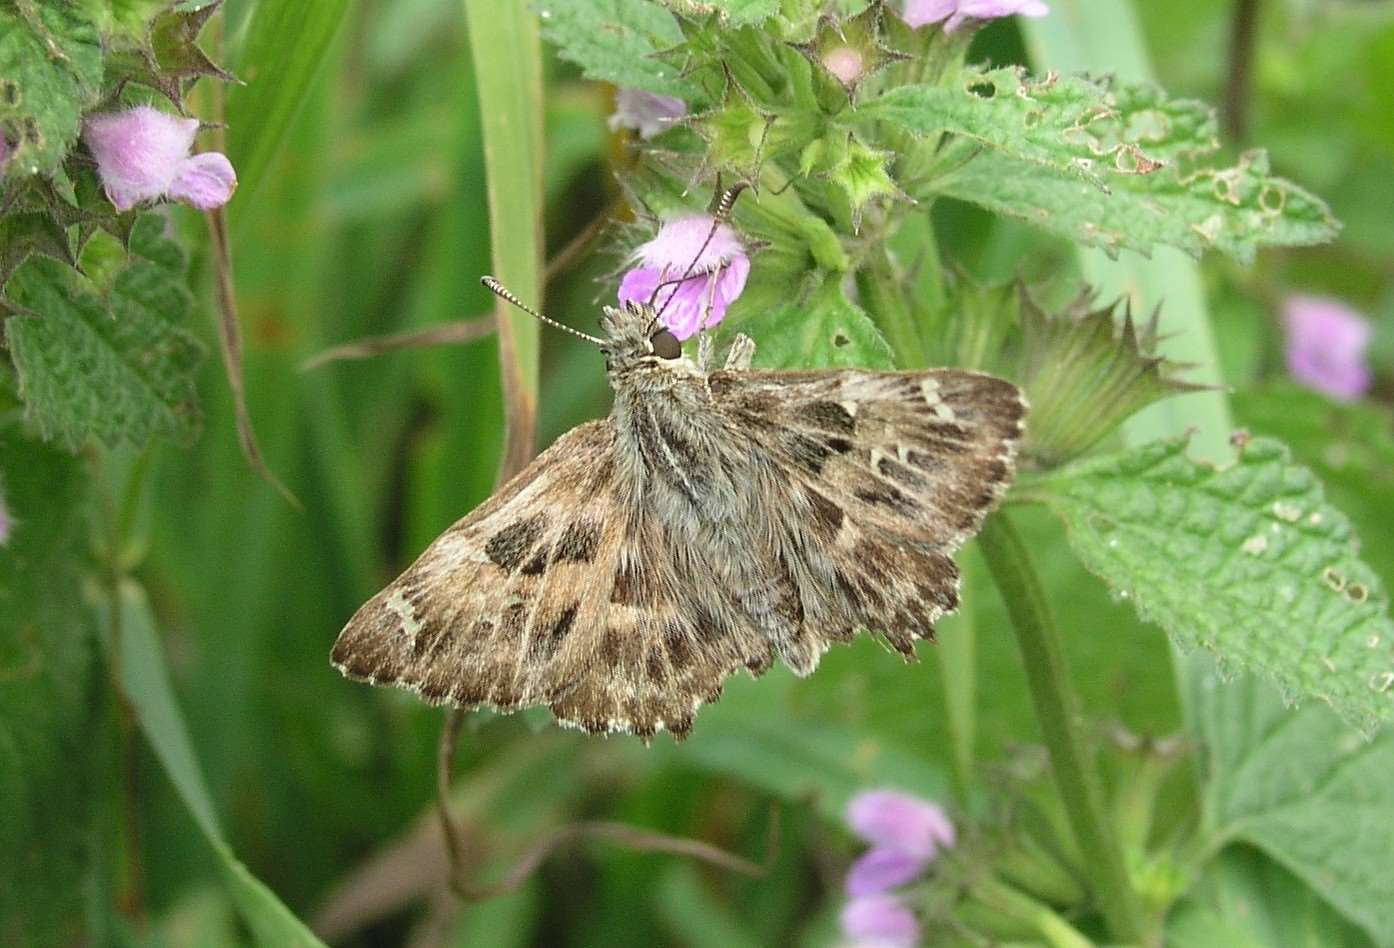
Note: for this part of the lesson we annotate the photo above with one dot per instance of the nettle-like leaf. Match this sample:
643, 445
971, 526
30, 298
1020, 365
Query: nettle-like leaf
50, 74
825, 331
1248, 561
1074, 124
616, 41
1306, 789
118, 368
738, 12
1236, 210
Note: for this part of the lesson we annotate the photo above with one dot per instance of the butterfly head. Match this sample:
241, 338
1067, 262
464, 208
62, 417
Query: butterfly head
635, 339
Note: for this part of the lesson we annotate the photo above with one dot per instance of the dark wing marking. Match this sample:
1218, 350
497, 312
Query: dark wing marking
551, 592
887, 475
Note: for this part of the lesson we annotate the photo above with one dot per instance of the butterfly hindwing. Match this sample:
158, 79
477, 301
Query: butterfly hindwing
888, 474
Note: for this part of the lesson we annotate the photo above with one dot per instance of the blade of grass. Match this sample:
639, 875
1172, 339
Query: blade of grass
283, 46
508, 64
144, 679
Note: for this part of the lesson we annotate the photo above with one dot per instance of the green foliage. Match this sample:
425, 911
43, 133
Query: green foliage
1236, 210
284, 47
1306, 789
117, 366
50, 74
1078, 126
50, 707
617, 41
145, 683
826, 330
1249, 562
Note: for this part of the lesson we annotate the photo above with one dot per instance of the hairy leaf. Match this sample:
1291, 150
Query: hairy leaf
616, 41
827, 331
120, 368
1249, 561
50, 74
1305, 788
731, 11
49, 696
1074, 124
1236, 210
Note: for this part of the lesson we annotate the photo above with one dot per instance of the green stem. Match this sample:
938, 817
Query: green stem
1053, 929
882, 297
1058, 712
957, 651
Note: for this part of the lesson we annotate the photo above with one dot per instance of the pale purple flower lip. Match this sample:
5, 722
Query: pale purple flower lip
647, 113
7, 522
882, 869
889, 819
1326, 342
143, 155
718, 272
918, 13
880, 920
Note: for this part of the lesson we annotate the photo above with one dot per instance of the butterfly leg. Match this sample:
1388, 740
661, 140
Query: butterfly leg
741, 353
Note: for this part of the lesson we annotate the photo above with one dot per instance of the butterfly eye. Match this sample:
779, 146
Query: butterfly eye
665, 345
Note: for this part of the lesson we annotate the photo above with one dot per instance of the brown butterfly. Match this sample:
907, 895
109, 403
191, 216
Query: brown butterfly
716, 521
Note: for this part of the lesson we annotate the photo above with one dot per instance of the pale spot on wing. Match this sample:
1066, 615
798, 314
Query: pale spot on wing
850, 407
401, 607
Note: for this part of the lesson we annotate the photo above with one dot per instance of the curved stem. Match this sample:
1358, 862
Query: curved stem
1057, 708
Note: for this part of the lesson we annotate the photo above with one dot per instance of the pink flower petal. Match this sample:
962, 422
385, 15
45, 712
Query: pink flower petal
881, 920
1326, 343
882, 869
715, 261
920, 13
139, 152
647, 113
205, 181
901, 821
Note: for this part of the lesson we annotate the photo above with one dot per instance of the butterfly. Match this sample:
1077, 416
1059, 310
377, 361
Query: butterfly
716, 521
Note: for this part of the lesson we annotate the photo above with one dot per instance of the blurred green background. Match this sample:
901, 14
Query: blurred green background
373, 218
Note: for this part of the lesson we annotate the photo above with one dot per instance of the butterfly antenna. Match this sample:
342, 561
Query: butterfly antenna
720, 216
504, 293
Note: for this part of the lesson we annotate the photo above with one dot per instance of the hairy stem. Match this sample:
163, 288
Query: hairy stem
1243, 32
1057, 708
882, 296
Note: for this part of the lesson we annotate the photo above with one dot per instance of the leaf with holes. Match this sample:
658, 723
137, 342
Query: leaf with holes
1235, 210
1249, 562
616, 41
827, 331
1081, 127
119, 369
50, 74
740, 12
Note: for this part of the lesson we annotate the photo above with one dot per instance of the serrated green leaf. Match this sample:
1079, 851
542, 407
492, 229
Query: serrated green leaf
1247, 900
50, 74
827, 331
125, 20
119, 369
1236, 210
739, 12
26, 233
1304, 787
145, 680
1249, 562
616, 41
50, 697
1075, 125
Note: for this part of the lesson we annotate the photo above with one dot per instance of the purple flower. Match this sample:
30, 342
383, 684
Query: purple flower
7, 522
880, 920
892, 820
882, 869
648, 113
1326, 343
920, 12
143, 154
716, 269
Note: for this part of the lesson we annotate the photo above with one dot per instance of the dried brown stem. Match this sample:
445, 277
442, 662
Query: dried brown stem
630, 837
445, 334
230, 344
